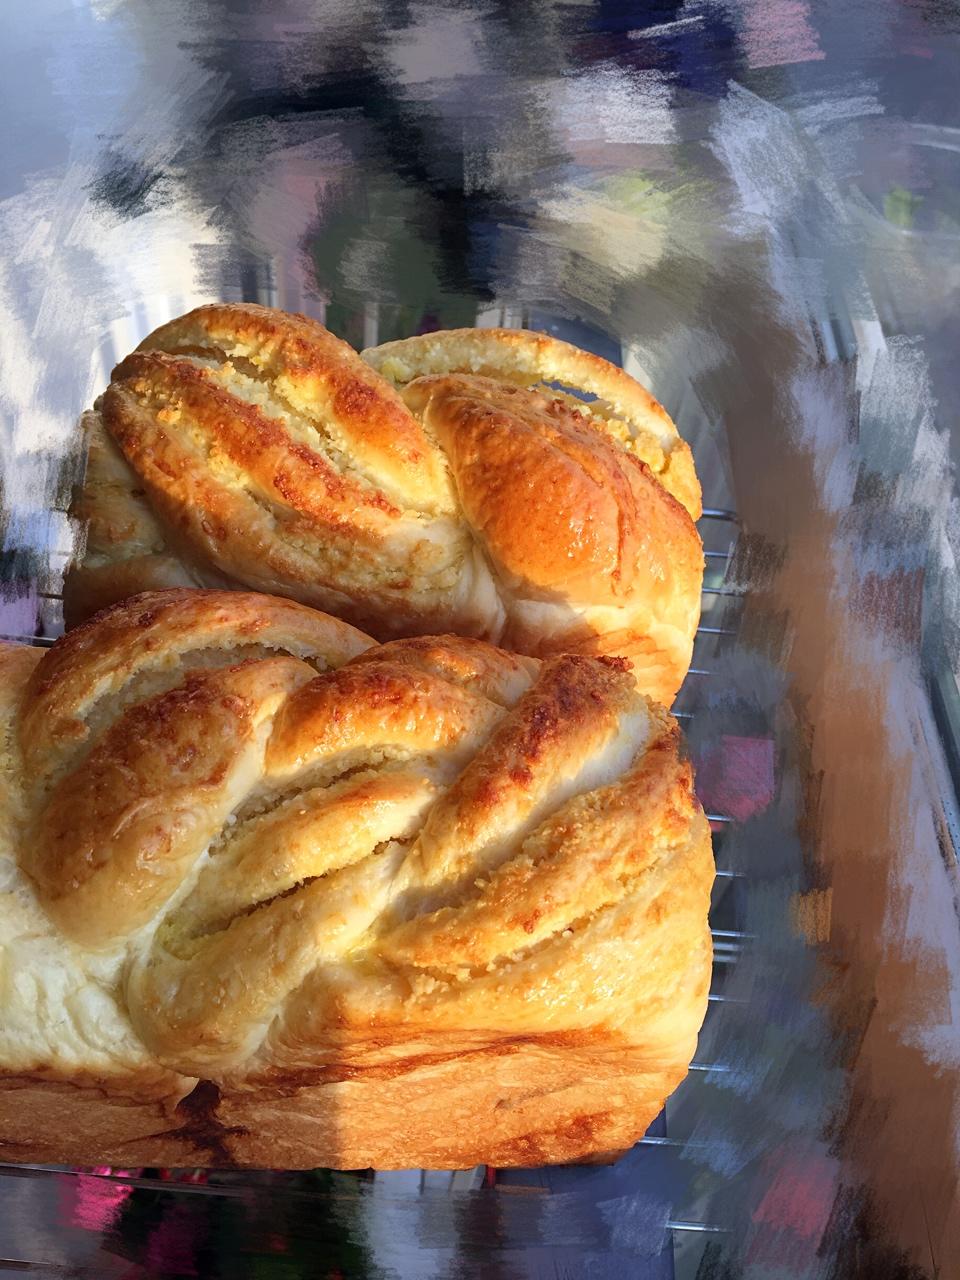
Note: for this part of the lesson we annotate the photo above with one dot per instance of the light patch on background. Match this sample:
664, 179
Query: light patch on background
611, 104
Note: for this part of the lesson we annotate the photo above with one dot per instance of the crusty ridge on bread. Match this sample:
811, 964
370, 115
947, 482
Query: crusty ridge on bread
453, 482
282, 896
611, 398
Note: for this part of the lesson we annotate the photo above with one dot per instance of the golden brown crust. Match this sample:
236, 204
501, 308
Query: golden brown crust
429, 877
83, 1121
121, 830
240, 446
499, 676
515, 1102
525, 358
160, 634
623, 537
319, 376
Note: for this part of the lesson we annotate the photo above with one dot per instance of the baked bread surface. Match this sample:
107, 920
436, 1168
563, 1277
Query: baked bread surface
441, 483
276, 895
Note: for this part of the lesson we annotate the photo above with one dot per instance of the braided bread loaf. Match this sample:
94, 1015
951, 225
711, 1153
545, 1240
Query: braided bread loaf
276, 895
240, 446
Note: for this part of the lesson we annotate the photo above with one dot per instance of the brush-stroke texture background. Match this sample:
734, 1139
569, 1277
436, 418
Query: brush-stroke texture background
755, 205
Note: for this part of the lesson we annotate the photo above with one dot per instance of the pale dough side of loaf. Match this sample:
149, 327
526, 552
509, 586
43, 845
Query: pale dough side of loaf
60, 1009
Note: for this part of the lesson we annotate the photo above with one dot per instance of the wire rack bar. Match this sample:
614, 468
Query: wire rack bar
687, 1144
716, 631
50, 1269
720, 513
44, 641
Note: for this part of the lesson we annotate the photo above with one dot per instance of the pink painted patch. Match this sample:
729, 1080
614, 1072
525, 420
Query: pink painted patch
779, 33
97, 1202
736, 777
800, 1198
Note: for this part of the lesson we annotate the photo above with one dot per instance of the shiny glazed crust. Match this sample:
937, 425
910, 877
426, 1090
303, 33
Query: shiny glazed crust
281, 896
521, 357
438, 484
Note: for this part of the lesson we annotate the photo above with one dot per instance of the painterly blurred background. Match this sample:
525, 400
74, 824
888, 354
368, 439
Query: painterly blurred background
754, 206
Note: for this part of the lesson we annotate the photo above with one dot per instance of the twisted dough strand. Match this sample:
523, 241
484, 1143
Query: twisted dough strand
430, 836
443, 483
